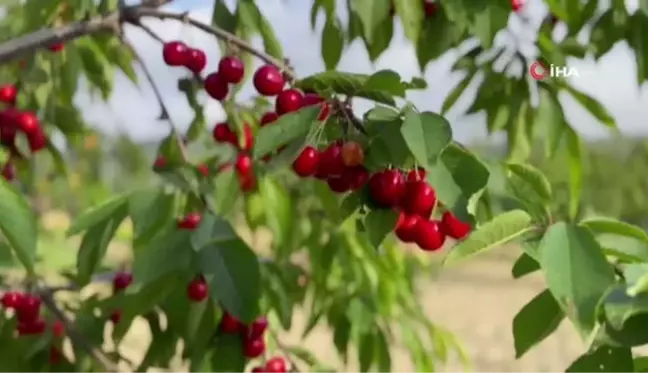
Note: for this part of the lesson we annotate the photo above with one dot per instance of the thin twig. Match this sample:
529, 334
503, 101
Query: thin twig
135, 14
164, 115
77, 338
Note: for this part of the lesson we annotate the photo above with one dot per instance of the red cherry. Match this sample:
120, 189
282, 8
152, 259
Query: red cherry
37, 141
203, 169
247, 182
115, 317
223, 134
454, 227
387, 187
55, 356
175, 53
352, 154
58, 329
11, 299
56, 47
311, 99
196, 60
268, 80
429, 8
419, 199
416, 174
254, 347
232, 69
197, 290
27, 122
268, 118
216, 86
9, 171
190, 222
8, 94
307, 162
356, 177
288, 101
429, 236
331, 162
230, 324
32, 327
248, 144
244, 164
257, 370
406, 229
122, 280
338, 184
160, 162
28, 309
517, 5
276, 365
257, 328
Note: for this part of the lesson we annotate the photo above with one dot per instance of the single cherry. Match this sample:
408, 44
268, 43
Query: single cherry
288, 101
406, 230
58, 329
37, 141
11, 299
352, 154
9, 171
268, 118
8, 94
429, 236
254, 348
115, 317
429, 8
232, 69
454, 227
122, 280
28, 309
331, 162
27, 122
311, 99
223, 134
276, 365
258, 328
196, 60
416, 174
307, 162
216, 86
160, 162
338, 184
244, 164
197, 290
203, 169
268, 80
248, 138
517, 5
175, 53
247, 182
387, 187
55, 356
57, 47
190, 221
230, 324
356, 177
419, 199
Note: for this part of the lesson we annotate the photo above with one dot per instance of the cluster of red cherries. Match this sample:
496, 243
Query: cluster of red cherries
13, 121
27, 308
341, 166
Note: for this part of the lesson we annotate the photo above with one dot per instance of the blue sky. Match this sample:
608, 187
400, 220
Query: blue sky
133, 109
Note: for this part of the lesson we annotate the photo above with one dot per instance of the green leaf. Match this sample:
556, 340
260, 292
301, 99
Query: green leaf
107, 210
411, 15
576, 272
332, 43
488, 23
439, 34
349, 84
366, 351
637, 41
68, 120
149, 210
385, 81
458, 177
535, 179
233, 275
18, 224
379, 224
495, 233
604, 359
370, 13
575, 158
381, 40
457, 91
615, 227
551, 118
535, 322
169, 252
227, 191
287, 128
228, 354
222, 17
94, 246
524, 265
594, 107
426, 134
279, 211
271, 44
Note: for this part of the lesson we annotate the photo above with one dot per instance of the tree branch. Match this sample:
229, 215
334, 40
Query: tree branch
108, 22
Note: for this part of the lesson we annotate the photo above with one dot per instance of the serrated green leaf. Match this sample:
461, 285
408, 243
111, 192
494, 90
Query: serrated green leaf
615, 227
411, 15
332, 43
427, 134
593, 106
370, 13
94, 246
524, 265
379, 223
457, 91
535, 179
18, 224
287, 128
535, 322
107, 210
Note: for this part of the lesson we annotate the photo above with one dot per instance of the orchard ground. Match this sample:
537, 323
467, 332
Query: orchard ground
476, 301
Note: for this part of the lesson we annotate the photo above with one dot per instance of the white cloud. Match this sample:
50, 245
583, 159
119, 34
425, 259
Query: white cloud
612, 80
